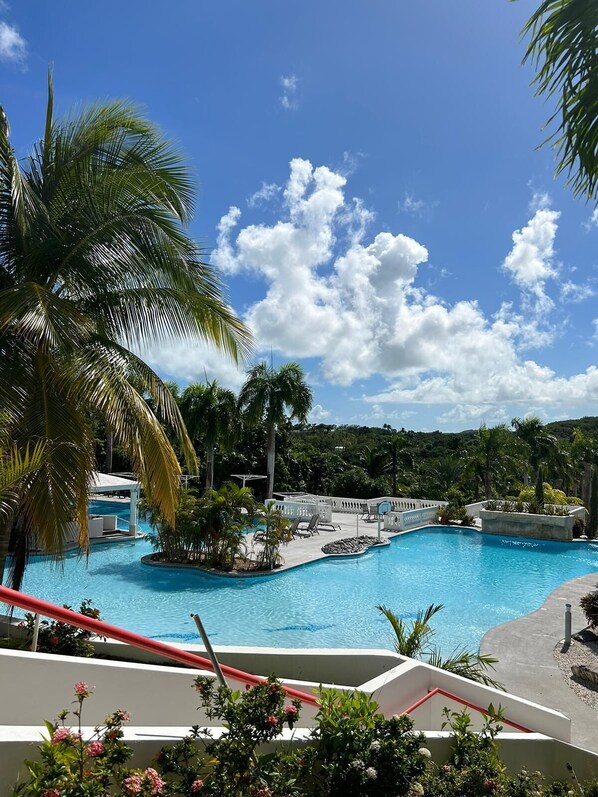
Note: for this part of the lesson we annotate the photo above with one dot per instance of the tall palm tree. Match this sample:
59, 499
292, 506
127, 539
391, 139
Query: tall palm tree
491, 455
95, 260
563, 47
542, 445
210, 415
270, 395
397, 444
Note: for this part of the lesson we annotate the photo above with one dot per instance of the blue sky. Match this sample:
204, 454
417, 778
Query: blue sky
369, 186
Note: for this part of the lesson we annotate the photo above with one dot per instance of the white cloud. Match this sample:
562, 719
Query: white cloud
264, 194
593, 220
186, 362
530, 261
289, 92
416, 207
575, 293
540, 200
13, 46
353, 301
318, 414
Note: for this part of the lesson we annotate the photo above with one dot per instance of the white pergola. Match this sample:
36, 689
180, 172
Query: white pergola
107, 483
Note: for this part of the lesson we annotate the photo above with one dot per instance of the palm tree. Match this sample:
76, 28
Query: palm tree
414, 641
542, 445
210, 415
563, 47
94, 260
397, 444
491, 455
270, 395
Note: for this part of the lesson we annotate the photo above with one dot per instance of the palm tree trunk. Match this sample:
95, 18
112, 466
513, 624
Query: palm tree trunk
210, 469
586, 483
271, 455
109, 449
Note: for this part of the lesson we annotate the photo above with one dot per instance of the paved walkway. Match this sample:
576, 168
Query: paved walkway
527, 666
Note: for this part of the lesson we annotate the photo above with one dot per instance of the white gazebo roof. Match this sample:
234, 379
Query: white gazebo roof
107, 483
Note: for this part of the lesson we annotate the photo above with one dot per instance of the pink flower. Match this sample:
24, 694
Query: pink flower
51, 793
197, 784
61, 735
133, 784
272, 720
122, 716
95, 749
155, 781
81, 689
54, 641
291, 711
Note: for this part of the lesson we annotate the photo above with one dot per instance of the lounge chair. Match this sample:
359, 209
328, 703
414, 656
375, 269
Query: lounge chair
308, 530
322, 524
366, 513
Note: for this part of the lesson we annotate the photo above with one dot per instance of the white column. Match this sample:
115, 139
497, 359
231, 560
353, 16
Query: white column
133, 528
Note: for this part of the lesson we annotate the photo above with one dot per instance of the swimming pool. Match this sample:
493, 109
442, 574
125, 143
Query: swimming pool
482, 581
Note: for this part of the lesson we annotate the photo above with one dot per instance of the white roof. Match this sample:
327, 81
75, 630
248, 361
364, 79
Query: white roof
106, 483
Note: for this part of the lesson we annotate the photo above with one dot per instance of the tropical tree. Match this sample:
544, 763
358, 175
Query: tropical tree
563, 47
211, 416
415, 641
541, 444
270, 396
397, 445
95, 260
491, 456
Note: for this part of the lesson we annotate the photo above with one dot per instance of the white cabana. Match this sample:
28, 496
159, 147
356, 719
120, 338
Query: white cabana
108, 483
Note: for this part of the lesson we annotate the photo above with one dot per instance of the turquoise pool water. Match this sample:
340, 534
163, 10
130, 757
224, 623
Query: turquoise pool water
332, 603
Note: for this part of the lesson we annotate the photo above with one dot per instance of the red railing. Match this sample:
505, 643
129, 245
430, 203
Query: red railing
463, 702
100, 628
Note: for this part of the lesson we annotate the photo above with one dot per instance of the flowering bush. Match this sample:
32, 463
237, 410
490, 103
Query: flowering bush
72, 766
353, 751
55, 637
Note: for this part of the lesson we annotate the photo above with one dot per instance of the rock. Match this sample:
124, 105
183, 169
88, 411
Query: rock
584, 673
350, 545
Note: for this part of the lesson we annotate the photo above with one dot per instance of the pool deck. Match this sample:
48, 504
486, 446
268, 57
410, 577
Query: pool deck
308, 549
527, 667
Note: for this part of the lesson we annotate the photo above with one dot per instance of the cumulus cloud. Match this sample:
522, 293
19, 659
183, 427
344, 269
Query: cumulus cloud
531, 260
289, 85
354, 301
13, 46
318, 414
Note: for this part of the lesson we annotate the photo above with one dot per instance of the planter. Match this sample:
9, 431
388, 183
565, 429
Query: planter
522, 524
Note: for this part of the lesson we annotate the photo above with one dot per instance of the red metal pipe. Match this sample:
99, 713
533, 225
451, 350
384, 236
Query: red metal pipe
100, 628
444, 693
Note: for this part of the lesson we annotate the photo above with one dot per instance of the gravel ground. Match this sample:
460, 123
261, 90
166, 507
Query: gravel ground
579, 653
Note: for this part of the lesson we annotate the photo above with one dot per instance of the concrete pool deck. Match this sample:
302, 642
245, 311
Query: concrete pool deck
526, 664
309, 549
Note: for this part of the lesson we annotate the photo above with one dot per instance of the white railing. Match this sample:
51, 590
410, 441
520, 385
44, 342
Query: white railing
304, 510
400, 521
354, 506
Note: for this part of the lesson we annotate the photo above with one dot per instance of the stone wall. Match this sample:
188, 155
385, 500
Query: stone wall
522, 524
